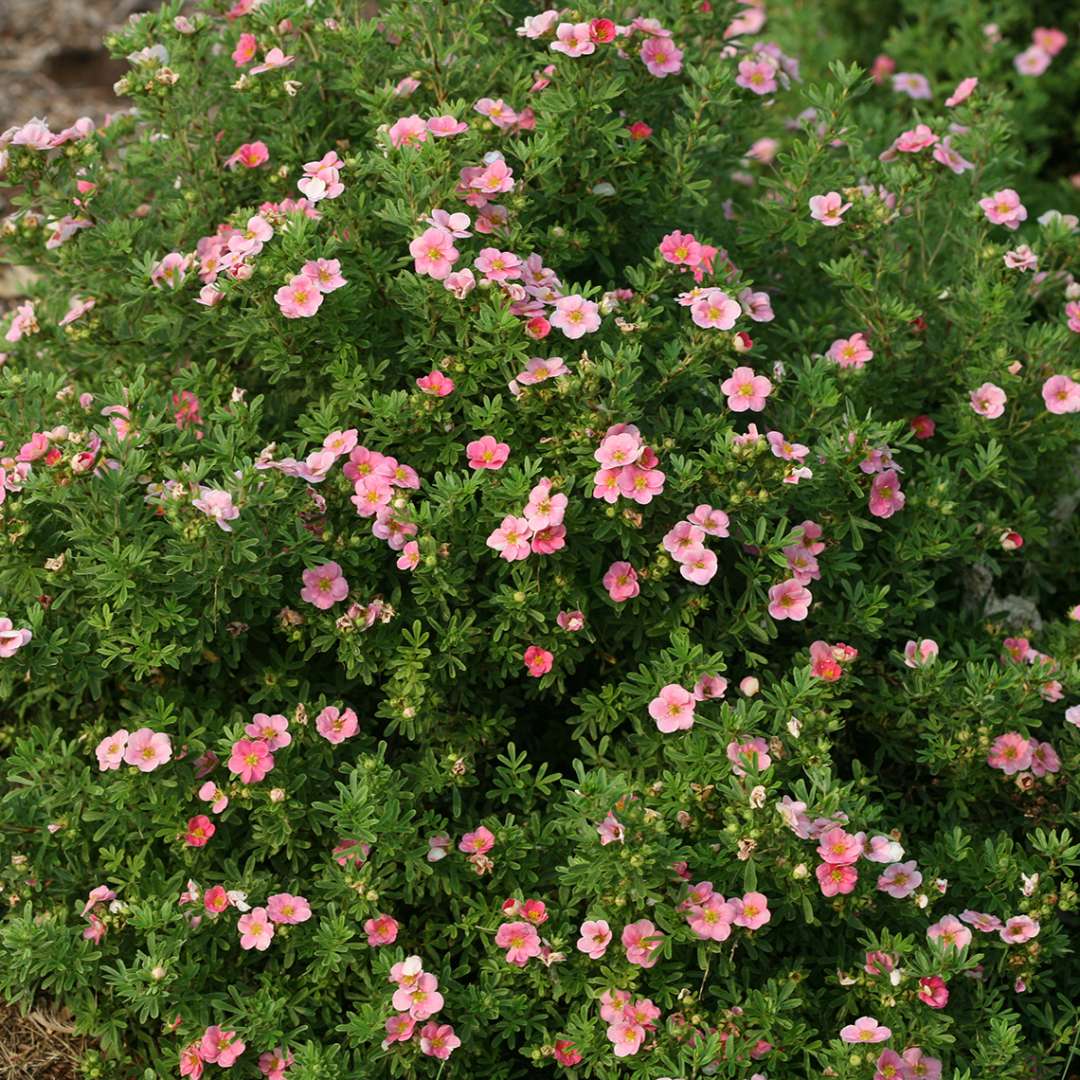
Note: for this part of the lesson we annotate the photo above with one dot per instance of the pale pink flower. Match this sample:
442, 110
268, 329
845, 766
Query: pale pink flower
446, 126
852, 352
962, 92
988, 401
256, 929
610, 831
1018, 929
946, 154
434, 253
917, 87
750, 753
829, 209
324, 586
673, 709
300, 299
408, 131
573, 39
1004, 208
900, 880
714, 309
1022, 259
758, 74
746, 390
147, 749
511, 539
498, 265
683, 538
1061, 394
575, 316
838, 847
986, 924
438, 1040
1044, 759
918, 138
698, 565
621, 582
865, 1030
789, 600
336, 726
110, 751
920, 654
1034, 60
710, 521
272, 59
595, 938
661, 57
217, 505
274, 1064
286, 909
950, 933
642, 940
409, 559
273, 730
570, 621
326, 273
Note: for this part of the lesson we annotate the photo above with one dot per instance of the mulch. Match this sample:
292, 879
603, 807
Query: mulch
41, 1045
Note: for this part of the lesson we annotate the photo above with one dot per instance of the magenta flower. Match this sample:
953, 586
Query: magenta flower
336, 726
256, 930
789, 600
829, 209
865, 1030
641, 940
933, 992
250, 760
621, 582
324, 586
487, 453
1004, 208
575, 316
746, 390
147, 749
287, 910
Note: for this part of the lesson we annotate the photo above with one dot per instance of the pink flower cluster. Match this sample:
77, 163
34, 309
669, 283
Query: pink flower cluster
684, 251
1019, 650
322, 178
303, 296
1046, 43
711, 917
628, 467
826, 661
539, 530
685, 543
519, 937
476, 845
257, 926
144, 748
100, 894
840, 850
1012, 753
629, 1021
417, 999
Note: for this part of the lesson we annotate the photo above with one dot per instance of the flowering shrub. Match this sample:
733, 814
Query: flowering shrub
548, 549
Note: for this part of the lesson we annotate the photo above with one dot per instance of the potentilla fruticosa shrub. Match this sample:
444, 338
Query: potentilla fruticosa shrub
544, 541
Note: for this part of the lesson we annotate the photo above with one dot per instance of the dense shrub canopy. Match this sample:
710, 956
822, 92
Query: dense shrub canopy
550, 549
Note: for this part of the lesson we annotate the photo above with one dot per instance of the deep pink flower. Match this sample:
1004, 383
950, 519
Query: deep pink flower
251, 760
324, 586
538, 661
934, 992
836, 879
661, 57
621, 582
487, 453
199, 830
478, 842
220, 1048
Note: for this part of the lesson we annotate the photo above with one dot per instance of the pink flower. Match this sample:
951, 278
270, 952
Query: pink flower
199, 830
409, 559
712, 919
575, 316
950, 933
570, 621
251, 760
789, 600
885, 494
746, 390
610, 831
835, 879
215, 899
621, 582
446, 126
641, 940
478, 842
945, 154
709, 687
274, 1063
250, 155
300, 299
434, 253
1018, 929
751, 753
436, 383
829, 209
110, 751
900, 880
865, 1030
933, 992
920, 1066
147, 749
491, 179
487, 453
1061, 394
336, 726
325, 273
438, 1040
917, 87
220, 1048
1004, 208
520, 940
714, 309
920, 654
698, 565
324, 586
852, 352
573, 39
1034, 60
710, 521
1051, 41
988, 400
408, 131
272, 59
840, 848
382, 930
661, 57
626, 1036
1022, 259
288, 910
785, 450
752, 911
256, 930
245, 50
890, 1066
758, 74
217, 505
619, 450
191, 1063
511, 539
399, 1028
673, 709
538, 661
1044, 758
963, 91
595, 938
680, 249
918, 138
